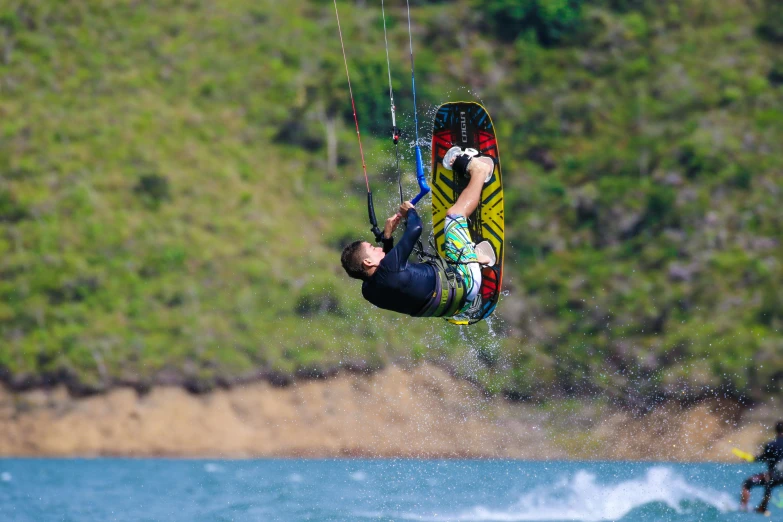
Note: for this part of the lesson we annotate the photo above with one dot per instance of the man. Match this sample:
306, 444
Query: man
772, 454
433, 288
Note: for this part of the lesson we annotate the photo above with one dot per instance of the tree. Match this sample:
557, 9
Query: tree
554, 22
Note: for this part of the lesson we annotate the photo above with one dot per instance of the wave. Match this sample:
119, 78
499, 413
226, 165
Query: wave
359, 476
583, 498
211, 467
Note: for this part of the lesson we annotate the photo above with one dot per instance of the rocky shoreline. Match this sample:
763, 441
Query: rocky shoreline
421, 412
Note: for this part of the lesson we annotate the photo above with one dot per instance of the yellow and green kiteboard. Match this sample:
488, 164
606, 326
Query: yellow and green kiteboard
468, 125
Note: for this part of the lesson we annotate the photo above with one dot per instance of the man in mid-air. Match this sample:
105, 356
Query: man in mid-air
432, 288
772, 455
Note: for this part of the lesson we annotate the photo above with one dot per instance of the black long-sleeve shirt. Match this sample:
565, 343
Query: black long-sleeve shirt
398, 285
772, 454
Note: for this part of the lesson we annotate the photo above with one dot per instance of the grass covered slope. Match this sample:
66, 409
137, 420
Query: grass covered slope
147, 221
177, 179
649, 239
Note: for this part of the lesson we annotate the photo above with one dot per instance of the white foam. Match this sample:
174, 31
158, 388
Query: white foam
5, 476
212, 468
359, 476
582, 498
295, 477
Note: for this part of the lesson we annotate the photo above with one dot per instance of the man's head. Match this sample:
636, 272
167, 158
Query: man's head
779, 428
360, 259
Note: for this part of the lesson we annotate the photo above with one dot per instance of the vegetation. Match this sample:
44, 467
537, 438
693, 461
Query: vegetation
177, 179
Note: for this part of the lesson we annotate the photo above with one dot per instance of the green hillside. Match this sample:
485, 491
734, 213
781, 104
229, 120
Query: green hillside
177, 179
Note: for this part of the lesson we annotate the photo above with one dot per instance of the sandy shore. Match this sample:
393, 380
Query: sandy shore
420, 412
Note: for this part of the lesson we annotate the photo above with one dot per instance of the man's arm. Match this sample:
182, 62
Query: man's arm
387, 243
388, 230
765, 454
400, 253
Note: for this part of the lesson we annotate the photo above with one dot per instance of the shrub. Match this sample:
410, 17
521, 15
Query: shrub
11, 211
318, 301
661, 206
555, 22
775, 74
771, 25
624, 6
153, 189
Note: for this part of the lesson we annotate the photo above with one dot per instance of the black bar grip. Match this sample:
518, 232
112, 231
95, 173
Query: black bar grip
373, 222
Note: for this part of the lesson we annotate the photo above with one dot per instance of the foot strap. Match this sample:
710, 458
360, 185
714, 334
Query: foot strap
461, 163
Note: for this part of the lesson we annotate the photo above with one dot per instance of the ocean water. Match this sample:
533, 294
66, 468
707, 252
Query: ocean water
101, 490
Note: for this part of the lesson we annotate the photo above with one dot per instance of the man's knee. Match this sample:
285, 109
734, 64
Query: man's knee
755, 480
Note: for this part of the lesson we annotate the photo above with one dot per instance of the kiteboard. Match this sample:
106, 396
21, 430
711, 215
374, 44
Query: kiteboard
468, 125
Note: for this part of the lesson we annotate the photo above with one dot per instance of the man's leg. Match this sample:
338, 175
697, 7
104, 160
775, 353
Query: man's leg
744, 498
767, 496
769, 483
754, 480
478, 170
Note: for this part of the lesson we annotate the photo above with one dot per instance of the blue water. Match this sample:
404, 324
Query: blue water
368, 490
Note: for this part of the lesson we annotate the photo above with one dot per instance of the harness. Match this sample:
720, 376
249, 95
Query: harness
449, 294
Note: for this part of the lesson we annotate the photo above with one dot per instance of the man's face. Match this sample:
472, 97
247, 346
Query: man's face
373, 255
